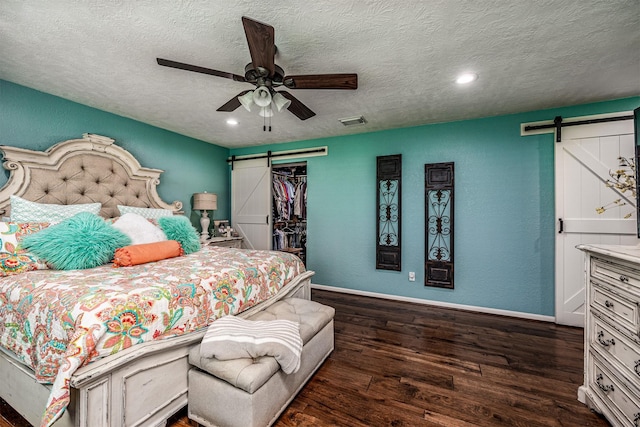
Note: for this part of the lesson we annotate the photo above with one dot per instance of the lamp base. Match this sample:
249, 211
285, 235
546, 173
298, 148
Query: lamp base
204, 224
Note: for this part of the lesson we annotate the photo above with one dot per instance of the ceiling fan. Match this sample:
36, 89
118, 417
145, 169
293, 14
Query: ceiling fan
267, 76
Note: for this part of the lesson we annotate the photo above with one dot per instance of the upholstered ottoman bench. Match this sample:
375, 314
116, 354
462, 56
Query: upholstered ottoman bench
249, 392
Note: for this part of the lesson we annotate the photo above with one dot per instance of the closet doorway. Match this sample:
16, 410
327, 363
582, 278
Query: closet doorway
289, 208
269, 205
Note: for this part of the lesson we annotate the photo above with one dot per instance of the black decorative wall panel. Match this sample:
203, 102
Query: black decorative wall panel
439, 186
388, 219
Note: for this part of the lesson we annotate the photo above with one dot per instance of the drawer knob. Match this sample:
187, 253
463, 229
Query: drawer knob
637, 367
605, 343
624, 278
608, 303
605, 388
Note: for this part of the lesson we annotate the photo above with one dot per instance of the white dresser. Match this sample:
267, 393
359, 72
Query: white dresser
612, 333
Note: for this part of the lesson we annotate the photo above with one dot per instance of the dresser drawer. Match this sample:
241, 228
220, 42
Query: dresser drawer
612, 345
614, 274
623, 310
613, 393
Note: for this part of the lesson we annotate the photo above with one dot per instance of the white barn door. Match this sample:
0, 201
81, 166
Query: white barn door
582, 163
251, 202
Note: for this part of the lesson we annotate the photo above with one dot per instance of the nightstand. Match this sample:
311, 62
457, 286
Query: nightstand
227, 242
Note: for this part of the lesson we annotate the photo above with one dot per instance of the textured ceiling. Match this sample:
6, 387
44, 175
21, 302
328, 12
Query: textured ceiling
528, 55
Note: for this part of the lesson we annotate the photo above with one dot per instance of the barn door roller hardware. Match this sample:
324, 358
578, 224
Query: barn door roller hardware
558, 124
270, 155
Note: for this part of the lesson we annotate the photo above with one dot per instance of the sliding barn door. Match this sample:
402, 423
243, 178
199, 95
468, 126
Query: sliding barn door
584, 159
251, 202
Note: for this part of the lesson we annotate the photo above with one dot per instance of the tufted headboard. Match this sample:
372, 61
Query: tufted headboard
87, 170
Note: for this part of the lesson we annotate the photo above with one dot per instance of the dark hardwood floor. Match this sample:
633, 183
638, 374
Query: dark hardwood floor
403, 364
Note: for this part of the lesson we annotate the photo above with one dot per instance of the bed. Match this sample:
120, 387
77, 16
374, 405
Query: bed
119, 380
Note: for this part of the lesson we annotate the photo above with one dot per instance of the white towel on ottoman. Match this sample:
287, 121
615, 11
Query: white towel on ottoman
231, 337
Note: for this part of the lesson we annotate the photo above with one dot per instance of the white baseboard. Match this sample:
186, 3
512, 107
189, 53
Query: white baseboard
487, 310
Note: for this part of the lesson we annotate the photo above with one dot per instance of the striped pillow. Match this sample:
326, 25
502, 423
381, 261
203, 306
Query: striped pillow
231, 337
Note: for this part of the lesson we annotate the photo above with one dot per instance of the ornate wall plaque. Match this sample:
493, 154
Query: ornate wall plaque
388, 200
438, 187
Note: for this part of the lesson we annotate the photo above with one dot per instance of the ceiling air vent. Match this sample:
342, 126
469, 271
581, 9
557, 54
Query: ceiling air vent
353, 121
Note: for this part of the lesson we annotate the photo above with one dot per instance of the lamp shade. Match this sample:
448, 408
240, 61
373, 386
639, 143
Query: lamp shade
205, 201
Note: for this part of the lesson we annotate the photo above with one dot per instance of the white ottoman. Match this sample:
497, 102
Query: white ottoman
254, 392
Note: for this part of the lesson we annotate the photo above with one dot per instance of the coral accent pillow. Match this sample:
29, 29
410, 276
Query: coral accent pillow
82, 241
147, 252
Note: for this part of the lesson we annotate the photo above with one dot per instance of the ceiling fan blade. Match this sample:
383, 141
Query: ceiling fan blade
197, 69
233, 103
322, 81
261, 41
298, 108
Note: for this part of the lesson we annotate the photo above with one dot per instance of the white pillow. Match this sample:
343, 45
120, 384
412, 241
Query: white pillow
26, 211
139, 229
151, 213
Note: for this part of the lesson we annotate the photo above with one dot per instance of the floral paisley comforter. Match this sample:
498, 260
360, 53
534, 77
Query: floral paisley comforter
57, 321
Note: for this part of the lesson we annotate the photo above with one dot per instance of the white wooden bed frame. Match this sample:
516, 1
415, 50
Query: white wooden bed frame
144, 384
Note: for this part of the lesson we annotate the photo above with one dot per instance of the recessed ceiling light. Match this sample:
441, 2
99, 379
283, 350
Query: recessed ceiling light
232, 122
466, 78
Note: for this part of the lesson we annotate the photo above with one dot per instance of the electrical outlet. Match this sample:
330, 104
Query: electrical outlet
412, 276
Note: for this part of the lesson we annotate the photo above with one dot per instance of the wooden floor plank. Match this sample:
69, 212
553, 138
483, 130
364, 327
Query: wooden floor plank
404, 364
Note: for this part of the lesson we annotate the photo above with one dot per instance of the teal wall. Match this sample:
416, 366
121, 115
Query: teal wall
35, 120
504, 198
504, 209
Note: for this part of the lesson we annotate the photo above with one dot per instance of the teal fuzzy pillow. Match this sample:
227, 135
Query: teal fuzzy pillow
179, 228
82, 241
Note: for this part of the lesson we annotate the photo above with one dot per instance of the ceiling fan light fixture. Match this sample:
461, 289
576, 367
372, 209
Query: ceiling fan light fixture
246, 100
280, 102
265, 112
262, 96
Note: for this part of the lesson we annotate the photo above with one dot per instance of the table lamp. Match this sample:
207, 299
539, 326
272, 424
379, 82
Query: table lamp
204, 202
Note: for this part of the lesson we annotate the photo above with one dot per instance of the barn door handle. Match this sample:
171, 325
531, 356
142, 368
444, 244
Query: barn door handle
561, 226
